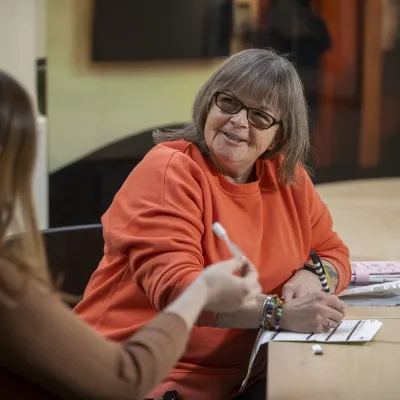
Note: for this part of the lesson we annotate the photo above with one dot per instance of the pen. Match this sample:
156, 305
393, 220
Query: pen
320, 271
220, 231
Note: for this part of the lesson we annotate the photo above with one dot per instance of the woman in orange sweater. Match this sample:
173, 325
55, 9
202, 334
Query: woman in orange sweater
241, 161
40, 337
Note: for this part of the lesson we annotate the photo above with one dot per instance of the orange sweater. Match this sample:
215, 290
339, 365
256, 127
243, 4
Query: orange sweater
158, 238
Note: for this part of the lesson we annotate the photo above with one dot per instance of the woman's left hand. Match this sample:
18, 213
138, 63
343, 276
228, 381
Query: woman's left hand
301, 284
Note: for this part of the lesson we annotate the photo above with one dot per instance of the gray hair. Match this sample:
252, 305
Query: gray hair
269, 79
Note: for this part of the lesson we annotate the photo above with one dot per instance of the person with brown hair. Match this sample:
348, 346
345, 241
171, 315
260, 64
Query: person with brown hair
41, 339
241, 161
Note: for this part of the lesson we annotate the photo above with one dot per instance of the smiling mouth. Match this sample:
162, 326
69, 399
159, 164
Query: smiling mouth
234, 138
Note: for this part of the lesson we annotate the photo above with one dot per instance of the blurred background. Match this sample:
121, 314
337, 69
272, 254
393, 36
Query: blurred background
105, 74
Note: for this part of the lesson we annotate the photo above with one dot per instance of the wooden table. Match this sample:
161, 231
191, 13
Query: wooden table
344, 372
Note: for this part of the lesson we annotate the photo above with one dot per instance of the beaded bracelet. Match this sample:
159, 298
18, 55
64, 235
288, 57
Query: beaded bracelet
270, 310
267, 310
263, 312
278, 317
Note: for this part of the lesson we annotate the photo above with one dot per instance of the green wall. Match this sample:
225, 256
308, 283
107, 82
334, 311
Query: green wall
90, 105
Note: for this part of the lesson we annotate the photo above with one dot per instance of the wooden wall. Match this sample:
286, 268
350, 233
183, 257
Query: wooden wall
338, 126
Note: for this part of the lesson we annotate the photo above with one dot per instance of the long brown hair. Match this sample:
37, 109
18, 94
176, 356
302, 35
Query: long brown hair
20, 239
271, 80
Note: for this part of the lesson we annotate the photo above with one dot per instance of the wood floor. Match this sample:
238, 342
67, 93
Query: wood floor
366, 215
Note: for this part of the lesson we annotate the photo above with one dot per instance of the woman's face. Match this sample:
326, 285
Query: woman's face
234, 143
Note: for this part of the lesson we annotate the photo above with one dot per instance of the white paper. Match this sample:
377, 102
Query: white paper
369, 272
387, 299
376, 267
373, 289
349, 331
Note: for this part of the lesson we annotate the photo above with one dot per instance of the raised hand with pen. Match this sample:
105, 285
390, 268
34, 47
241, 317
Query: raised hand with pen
227, 289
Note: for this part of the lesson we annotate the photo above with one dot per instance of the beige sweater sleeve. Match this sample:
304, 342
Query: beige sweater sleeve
44, 341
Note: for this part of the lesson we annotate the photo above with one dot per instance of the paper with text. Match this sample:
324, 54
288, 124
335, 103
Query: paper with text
348, 331
372, 289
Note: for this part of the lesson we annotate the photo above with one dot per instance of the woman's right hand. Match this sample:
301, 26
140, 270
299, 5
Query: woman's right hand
227, 291
313, 313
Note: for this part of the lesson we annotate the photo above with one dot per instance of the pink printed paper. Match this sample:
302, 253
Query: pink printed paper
362, 270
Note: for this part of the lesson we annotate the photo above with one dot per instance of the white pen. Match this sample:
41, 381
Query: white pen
220, 231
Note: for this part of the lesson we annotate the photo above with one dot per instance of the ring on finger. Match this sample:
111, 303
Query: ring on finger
328, 325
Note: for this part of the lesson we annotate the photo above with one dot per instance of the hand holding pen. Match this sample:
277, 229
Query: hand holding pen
247, 272
310, 308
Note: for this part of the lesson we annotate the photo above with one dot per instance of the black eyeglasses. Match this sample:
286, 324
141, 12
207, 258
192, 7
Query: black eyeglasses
232, 105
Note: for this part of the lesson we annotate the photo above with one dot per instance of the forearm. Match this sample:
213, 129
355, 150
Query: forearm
68, 357
165, 285
190, 303
244, 318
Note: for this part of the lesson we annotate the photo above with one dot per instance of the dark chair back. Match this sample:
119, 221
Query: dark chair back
73, 254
